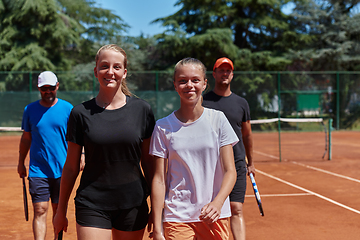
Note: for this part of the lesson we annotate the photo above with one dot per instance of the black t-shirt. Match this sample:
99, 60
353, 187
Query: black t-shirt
112, 178
237, 111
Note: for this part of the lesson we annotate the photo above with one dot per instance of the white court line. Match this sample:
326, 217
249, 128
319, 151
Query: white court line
328, 172
311, 192
267, 155
314, 168
282, 195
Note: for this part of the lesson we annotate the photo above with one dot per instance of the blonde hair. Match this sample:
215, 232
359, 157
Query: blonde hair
192, 61
116, 48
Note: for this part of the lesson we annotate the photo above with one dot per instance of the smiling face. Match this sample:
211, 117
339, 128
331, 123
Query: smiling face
223, 74
189, 82
110, 68
48, 93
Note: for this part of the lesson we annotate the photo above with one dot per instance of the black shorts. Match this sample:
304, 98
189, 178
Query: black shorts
42, 189
133, 219
239, 190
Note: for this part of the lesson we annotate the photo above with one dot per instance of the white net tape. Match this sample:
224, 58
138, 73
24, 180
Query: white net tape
302, 120
10, 129
259, 121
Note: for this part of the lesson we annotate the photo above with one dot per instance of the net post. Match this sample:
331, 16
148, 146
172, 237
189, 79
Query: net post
337, 101
279, 131
30, 82
279, 114
330, 128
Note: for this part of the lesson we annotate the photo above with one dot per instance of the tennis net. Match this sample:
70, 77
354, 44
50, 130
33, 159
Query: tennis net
291, 139
281, 139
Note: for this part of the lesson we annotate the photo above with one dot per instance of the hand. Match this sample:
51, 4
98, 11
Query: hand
21, 170
60, 222
82, 162
157, 236
210, 213
152, 233
251, 169
150, 224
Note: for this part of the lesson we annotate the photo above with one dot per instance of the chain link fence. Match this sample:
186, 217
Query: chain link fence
334, 95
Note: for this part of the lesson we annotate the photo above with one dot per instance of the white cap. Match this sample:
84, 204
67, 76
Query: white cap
47, 78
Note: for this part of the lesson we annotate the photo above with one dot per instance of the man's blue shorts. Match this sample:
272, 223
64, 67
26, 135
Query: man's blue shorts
42, 189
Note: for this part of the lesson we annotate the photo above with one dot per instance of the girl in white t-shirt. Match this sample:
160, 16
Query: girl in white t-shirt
194, 164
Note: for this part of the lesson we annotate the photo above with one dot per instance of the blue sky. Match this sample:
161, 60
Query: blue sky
139, 13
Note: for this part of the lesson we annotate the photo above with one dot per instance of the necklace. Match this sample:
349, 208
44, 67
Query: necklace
105, 105
102, 105
115, 104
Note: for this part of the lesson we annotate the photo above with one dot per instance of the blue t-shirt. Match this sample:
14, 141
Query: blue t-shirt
47, 126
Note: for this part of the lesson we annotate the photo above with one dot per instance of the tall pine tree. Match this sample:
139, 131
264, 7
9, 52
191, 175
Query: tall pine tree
52, 35
228, 28
334, 29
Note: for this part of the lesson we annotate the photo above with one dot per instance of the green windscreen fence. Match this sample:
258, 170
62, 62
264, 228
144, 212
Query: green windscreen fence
326, 95
309, 102
13, 103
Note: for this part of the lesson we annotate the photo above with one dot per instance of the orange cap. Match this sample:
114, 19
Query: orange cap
222, 61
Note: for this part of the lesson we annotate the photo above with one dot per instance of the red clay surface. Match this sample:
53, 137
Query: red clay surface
303, 196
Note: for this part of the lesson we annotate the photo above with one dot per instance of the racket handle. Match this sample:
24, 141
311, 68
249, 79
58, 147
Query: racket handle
60, 235
257, 194
26, 208
254, 185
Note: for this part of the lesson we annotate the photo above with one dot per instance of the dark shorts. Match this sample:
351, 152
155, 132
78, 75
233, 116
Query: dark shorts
239, 190
133, 219
42, 189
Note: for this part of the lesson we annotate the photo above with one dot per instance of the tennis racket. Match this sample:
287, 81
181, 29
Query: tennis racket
26, 210
257, 194
60, 235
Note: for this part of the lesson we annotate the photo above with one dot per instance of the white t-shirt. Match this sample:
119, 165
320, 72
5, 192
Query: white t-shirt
195, 171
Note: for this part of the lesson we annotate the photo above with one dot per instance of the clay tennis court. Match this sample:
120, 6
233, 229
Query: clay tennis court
304, 196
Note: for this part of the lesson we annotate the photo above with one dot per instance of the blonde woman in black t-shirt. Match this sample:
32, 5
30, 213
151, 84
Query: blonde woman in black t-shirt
115, 129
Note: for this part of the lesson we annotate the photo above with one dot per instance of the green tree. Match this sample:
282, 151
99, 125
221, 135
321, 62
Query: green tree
139, 51
254, 34
335, 35
52, 34
335, 32
253, 26
38, 35
99, 26
206, 47
34, 35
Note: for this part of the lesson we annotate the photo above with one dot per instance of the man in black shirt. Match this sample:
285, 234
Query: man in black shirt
237, 112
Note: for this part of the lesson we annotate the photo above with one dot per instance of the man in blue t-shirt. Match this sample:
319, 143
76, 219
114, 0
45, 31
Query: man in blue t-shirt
237, 111
44, 127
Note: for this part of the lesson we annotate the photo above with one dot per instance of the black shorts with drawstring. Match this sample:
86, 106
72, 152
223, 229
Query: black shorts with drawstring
132, 219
